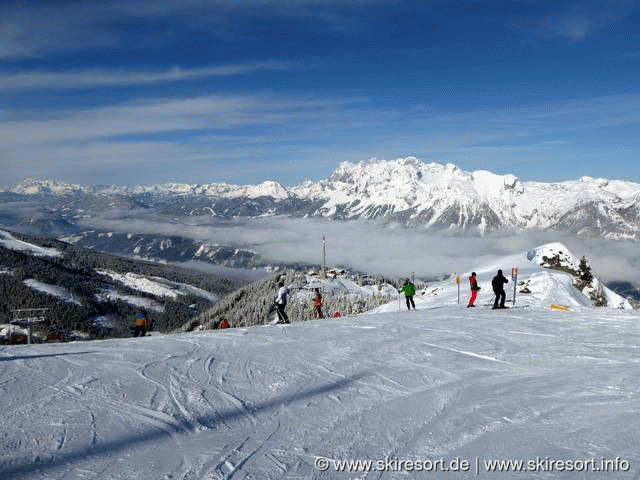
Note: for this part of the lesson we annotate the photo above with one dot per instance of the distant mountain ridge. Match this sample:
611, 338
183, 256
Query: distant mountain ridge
407, 191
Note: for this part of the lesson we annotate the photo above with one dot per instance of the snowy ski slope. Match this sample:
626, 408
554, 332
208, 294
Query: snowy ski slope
444, 387
536, 286
268, 402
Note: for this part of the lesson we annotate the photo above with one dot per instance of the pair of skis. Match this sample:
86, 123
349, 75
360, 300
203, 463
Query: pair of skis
273, 317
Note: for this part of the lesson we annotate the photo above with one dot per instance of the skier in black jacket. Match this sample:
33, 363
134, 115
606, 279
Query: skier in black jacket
498, 288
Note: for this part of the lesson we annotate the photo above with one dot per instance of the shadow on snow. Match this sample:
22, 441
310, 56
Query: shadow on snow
29, 357
27, 467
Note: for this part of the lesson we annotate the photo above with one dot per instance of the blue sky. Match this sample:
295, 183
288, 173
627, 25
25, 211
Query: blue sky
134, 92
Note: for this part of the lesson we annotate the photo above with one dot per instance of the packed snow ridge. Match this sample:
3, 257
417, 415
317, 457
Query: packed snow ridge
536, 286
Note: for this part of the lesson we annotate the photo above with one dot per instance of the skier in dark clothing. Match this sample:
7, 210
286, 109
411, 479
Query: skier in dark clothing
498, 283
281, 302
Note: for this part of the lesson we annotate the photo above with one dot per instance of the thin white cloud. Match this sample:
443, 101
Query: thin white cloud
575, 21
213, 112
34, 29
90, 145
575, 27
303, 129
93, 78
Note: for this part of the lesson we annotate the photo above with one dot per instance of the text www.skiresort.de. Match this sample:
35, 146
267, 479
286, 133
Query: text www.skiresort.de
477, 465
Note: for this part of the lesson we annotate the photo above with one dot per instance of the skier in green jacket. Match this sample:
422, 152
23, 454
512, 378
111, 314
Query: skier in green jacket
409, 291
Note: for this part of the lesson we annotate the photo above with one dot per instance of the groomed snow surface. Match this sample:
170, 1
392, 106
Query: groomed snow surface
444, 387
268, 402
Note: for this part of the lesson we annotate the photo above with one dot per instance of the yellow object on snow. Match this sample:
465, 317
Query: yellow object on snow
561, 308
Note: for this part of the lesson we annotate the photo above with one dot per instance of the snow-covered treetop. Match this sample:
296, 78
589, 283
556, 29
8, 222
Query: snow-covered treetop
553, 250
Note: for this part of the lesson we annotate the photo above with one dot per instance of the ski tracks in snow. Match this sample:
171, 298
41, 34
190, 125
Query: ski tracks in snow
266, 402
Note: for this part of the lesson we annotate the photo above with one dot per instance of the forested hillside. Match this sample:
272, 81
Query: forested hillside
343, 293
96, 294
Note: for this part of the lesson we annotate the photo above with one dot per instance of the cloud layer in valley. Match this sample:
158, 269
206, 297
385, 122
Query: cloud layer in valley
376, 248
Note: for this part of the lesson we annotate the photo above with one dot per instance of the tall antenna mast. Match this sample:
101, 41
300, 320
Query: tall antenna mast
324, 257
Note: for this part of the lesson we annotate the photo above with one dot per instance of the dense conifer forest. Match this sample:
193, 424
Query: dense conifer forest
87, 308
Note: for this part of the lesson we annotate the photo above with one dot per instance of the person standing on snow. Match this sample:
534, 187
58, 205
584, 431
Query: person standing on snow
409, 291
474, 289
281, 302
498, 283
142, 324
317, 303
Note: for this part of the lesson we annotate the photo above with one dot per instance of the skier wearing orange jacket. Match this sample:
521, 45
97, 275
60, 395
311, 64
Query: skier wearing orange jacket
317, 303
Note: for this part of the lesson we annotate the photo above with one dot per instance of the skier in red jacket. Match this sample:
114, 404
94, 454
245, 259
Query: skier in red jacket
474, 289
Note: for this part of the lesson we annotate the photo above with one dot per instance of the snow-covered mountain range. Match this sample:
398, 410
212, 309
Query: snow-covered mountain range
407, 191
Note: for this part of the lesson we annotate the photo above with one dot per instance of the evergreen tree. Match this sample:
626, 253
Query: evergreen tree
585, 277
